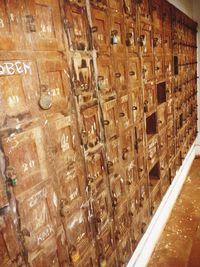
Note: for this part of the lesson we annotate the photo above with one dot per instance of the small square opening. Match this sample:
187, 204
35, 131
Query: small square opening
161, 93
154, 175
151, 126
175, 65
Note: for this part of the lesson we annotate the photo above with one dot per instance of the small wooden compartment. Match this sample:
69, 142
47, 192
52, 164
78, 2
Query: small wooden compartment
151, 125
161, 92
154, 175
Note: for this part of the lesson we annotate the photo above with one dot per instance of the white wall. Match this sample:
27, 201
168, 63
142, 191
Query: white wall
184, 5
192, 8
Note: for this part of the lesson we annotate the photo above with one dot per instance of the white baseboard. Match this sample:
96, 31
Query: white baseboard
144, 250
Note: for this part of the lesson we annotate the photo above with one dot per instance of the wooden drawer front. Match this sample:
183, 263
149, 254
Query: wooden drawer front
100, 209
46, 256
95, 172
131, 37
144, 218
64, 142
120, 76
165, 182
131, 177
155, 198
171, 150
105, 244
144, 9
117, 188
120, 222
169, 90
90, 127
44, 25
144, 191
153, 150
149, 98
30, 167
100, 31
162, 116
72, 186
38, 216
139, 138
125, 114
11, 24
8, 241
18, 80
117, 35
105, 77
134, 206
77, 232
145, 39
76, 26
54, 83
127, 145
163, 164
157, 14
163, 141
136, 229
84, 84
110, 119
124, 251
113, 156
133, 73
137, 104
148, 70
167, 42
141, 165
158, 41
159, 68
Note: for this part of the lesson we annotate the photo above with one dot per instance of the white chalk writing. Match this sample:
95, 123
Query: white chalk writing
13, 68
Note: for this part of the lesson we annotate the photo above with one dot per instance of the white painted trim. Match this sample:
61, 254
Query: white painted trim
142, 254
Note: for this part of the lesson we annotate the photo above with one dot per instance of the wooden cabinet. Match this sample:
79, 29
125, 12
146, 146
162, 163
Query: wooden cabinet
92, 125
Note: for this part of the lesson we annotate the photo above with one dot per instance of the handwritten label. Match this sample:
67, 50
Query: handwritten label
1, 23
45, 234
34, 199
29, 165
13, 68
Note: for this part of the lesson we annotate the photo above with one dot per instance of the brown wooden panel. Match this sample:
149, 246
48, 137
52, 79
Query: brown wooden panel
76, 26
44, 25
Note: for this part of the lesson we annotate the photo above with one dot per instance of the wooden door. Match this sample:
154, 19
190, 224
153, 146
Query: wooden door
110, 119
54, 87
100, 31
11, 23
18, 81
44, 25
76, 26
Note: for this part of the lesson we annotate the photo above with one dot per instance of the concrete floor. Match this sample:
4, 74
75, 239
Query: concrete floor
179, 245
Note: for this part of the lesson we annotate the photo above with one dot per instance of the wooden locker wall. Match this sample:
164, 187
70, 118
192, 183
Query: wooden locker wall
92, 125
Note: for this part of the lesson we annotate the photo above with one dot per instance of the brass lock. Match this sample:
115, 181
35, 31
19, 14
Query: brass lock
46, 97
114, 37
129, 39
155, 42
125, 154
11, 176
141, 40
74, 254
